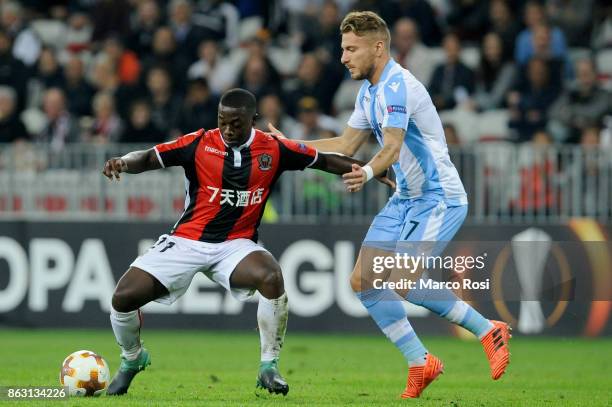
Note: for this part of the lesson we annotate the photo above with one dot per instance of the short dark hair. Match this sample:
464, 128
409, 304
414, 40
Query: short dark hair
239, 98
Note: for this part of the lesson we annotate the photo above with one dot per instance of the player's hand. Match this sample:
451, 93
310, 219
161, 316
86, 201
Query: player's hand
276, 132
384, 179
114, 167
355, 179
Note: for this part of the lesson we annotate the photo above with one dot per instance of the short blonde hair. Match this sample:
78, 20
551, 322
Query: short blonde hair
366, 23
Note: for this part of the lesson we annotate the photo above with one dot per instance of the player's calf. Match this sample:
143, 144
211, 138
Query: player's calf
134, 358
135, 289
261, 271
272, 315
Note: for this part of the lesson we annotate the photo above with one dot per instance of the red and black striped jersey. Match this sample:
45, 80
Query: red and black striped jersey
227, 187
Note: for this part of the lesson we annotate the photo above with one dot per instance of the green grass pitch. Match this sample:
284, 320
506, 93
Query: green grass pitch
219, 368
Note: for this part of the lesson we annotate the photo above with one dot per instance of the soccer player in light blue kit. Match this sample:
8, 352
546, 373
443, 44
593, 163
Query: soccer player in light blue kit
429, 204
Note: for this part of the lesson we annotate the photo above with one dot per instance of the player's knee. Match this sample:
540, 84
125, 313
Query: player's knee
122, 301
271, 282
274, 278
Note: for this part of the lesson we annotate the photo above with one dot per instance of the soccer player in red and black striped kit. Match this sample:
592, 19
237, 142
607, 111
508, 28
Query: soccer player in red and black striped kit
229, 173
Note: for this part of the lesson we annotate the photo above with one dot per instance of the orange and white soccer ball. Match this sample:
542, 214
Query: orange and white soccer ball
85, 374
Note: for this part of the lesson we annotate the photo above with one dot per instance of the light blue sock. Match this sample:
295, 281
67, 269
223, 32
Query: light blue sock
386, 309
445, 303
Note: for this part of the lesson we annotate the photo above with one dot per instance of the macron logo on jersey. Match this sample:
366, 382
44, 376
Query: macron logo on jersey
394, 86
396, 109
213, 150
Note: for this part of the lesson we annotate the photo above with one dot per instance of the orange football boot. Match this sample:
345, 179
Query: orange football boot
419, 377
495, 344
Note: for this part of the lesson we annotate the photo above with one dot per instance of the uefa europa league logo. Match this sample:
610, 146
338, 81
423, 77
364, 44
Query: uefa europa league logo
530, 260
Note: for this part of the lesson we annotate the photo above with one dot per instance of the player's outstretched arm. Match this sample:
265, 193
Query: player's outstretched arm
131, 163
348, 143
388, 155
341, 164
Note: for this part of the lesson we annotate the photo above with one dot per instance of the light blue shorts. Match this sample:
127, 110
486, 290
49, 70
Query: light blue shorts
415, 220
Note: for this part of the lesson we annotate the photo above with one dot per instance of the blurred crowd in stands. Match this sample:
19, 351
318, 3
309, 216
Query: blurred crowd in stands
145, 71
524, 73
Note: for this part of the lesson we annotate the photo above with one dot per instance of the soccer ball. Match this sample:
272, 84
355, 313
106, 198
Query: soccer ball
85, 374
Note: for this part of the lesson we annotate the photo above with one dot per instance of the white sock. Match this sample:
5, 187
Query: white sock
126, 326
272, 315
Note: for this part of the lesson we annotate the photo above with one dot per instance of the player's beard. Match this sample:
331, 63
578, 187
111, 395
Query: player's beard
364, 74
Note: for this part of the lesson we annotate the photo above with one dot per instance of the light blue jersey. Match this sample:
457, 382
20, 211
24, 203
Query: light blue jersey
424, 168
